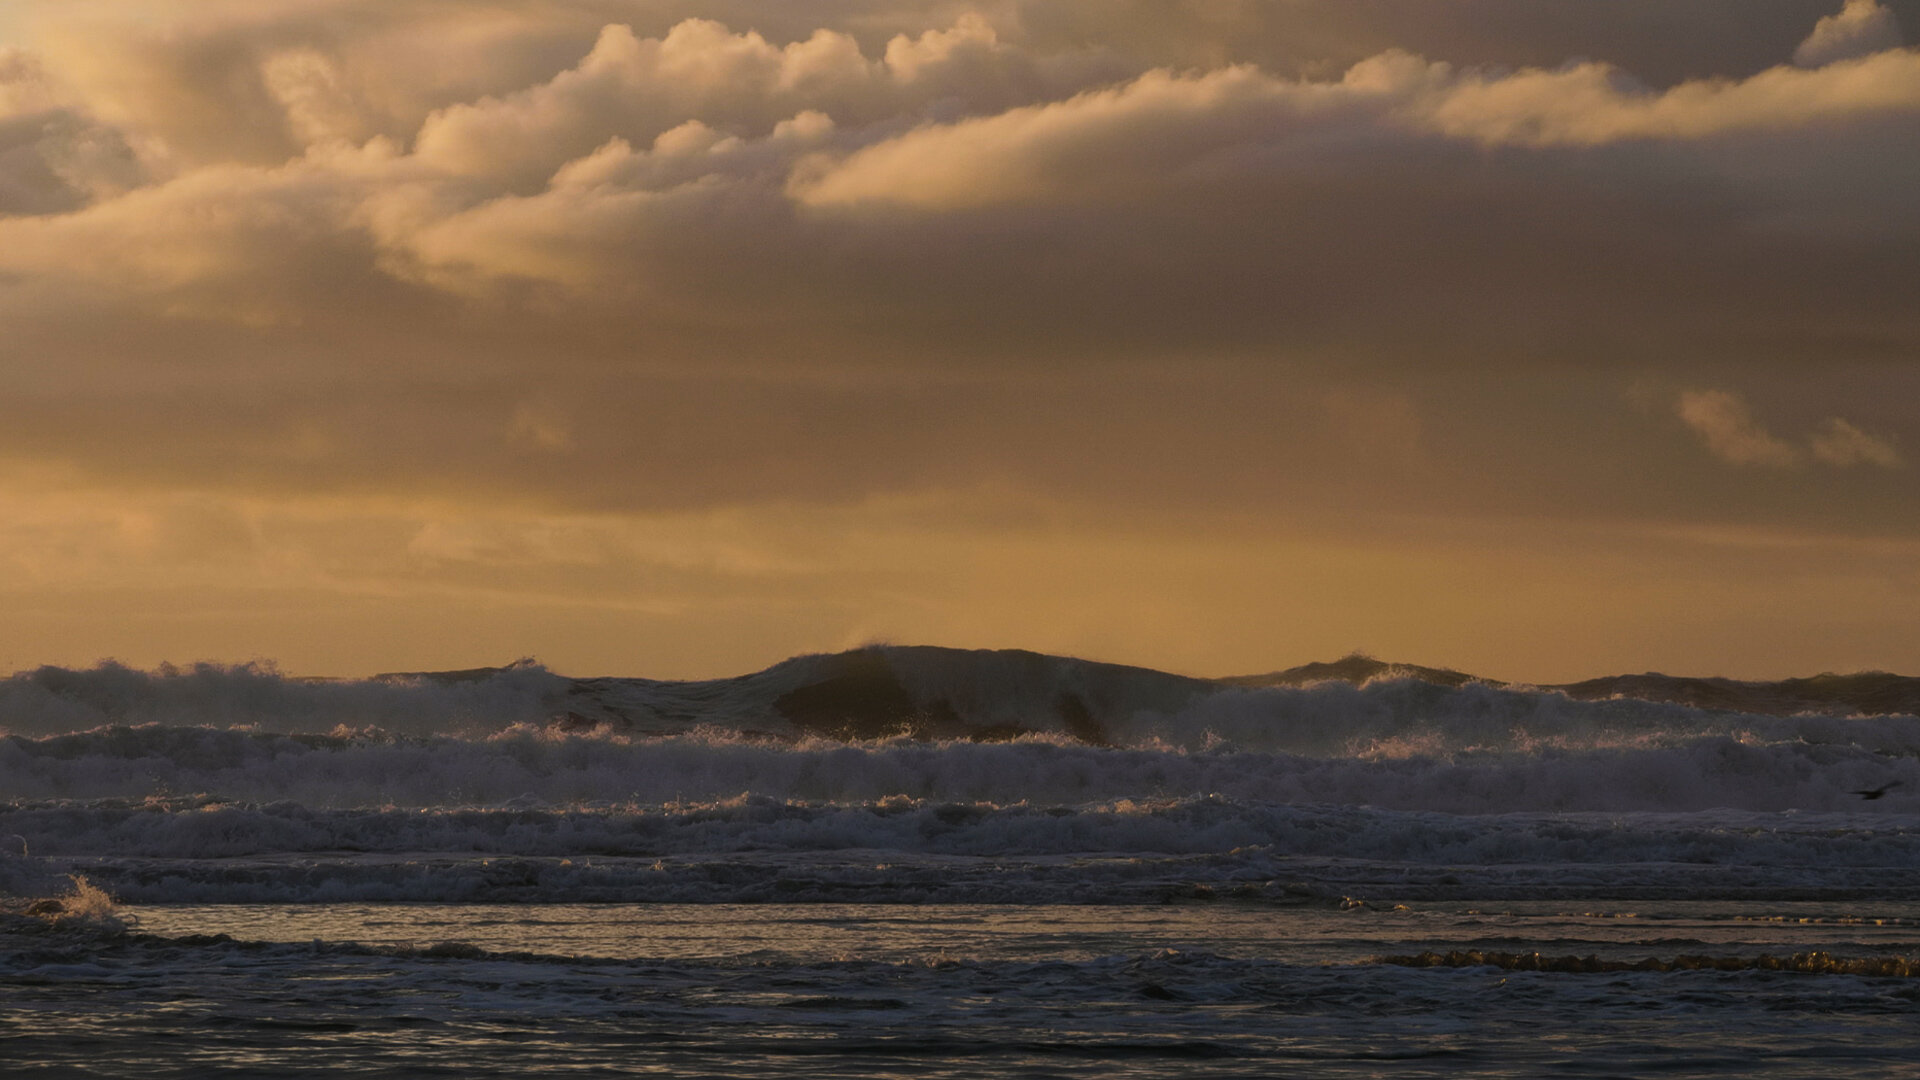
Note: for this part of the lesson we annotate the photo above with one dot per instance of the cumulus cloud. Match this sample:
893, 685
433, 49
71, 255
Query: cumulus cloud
1134, 134
635, 88
536, 202
233, 242
1861, 28
601, 179
1162, 125
1592, 104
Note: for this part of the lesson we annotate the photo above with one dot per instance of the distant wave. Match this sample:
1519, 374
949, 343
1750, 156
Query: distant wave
756, 850
545, 767
51, 700
1357, 708
1192, 826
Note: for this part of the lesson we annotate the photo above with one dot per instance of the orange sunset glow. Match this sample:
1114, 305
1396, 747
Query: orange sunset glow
673, 338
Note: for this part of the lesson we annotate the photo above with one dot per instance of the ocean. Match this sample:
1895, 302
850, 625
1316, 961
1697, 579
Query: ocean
942, 863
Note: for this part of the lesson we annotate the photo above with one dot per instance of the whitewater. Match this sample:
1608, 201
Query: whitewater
944, 861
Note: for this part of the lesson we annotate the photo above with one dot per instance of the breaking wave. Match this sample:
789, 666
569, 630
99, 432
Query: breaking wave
53, 700
544, 767
947, 694
913, 775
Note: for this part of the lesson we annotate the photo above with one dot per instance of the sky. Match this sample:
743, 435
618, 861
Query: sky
1538, 338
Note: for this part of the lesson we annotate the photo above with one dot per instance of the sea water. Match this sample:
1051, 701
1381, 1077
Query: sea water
952, 990
1474, 883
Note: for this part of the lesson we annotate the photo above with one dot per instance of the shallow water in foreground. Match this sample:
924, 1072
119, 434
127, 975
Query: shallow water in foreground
951, 990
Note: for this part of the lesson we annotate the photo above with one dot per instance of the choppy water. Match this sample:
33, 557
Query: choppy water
414, 878
948, 990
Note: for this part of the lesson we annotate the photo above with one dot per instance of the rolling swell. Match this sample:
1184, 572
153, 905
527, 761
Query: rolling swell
544, 767
1202, 825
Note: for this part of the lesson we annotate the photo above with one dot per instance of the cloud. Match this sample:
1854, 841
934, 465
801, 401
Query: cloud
538, 427
694, 169
236, 242
636, 88
681, 335
1727, 426
1163, 123
1841, 444
1139, 133
1861, 28
1731, 433
1594, 104
53, 157
713, 247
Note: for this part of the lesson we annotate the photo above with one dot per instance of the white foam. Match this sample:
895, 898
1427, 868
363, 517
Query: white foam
358, 770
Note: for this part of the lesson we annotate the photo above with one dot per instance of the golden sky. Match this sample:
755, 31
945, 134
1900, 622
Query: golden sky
1539, 338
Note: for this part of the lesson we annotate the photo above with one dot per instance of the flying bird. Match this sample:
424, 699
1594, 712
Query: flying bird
1874, 793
